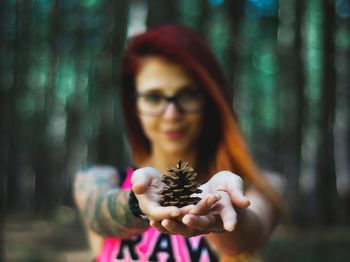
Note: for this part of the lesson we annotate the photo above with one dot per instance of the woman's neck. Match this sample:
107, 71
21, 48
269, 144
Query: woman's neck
162, 161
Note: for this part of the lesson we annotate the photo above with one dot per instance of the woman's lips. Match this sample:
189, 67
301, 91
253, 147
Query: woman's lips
174, 134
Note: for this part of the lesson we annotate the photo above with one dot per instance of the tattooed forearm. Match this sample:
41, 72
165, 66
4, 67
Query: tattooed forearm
104, 205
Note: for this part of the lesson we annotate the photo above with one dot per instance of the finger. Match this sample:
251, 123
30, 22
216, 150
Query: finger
187, 209
176, 227
158, 212
203, 223
140, 183
142, 178
229, 217
237, 197
205, 204
234, 187
157, 225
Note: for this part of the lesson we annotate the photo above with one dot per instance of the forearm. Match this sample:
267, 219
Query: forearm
247, 235
104, 206
254, 225
110, 215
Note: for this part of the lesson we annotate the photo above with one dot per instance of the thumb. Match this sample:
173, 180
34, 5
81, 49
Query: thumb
234, 187
142, 178
238, 199
140, 182
235, 191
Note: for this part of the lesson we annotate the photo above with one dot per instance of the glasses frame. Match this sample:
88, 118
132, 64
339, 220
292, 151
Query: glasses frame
170, 99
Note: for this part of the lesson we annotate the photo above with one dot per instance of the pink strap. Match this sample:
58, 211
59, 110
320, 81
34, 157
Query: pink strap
107, 249
127, 182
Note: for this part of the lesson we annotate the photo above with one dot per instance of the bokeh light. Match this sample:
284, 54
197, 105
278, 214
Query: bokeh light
258, 8
216, 2
342, 8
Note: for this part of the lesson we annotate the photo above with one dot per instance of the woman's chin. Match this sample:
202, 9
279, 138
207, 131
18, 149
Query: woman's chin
176, 150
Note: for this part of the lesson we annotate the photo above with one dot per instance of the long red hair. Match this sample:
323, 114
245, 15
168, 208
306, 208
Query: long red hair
221, 145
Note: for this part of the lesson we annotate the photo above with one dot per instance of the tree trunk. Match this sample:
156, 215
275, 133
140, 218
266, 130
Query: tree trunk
326, 191
110, 141
294, 191
160, 12
235, 12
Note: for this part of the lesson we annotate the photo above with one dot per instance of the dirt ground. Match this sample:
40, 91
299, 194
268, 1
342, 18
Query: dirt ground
61, 238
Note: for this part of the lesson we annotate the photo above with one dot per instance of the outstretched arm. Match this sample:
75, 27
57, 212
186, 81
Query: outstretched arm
103, 205
254, 223
234, 221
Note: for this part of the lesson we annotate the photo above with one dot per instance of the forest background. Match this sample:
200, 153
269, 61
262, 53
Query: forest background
287, 63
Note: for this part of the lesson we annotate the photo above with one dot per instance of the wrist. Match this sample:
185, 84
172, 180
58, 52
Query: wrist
135, 207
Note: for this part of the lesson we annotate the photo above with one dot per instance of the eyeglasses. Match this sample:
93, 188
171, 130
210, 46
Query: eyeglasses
155, 104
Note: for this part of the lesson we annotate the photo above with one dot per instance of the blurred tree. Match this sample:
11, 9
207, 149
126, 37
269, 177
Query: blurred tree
326, 190
294, 190
160, 12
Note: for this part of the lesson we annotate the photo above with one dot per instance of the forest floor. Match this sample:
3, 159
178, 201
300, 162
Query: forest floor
61, 238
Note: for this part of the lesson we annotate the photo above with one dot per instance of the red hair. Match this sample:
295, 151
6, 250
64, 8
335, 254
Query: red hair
222, 148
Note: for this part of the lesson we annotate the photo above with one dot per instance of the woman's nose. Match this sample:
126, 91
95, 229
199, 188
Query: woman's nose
172, 111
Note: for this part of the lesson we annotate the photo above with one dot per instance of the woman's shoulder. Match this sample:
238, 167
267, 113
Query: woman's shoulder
99, 173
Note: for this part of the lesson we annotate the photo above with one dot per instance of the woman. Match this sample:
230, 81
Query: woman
176, 106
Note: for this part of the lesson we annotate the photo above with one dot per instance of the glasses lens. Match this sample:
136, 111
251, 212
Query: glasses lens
190, 101
151, 104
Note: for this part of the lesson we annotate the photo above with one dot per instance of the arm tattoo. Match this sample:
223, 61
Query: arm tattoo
104, 205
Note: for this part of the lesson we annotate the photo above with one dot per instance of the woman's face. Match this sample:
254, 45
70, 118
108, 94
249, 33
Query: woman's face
169, 106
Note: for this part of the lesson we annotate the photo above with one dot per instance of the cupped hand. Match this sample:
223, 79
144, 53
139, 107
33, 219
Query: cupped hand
147, 185
210, 222
222, 215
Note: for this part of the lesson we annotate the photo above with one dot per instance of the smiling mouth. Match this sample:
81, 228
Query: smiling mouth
174, 134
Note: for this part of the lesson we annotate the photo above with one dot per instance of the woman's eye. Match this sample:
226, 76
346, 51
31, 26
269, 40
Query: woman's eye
153, 98
190, 94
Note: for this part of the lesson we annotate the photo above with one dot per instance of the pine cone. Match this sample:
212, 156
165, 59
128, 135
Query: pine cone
179, 186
